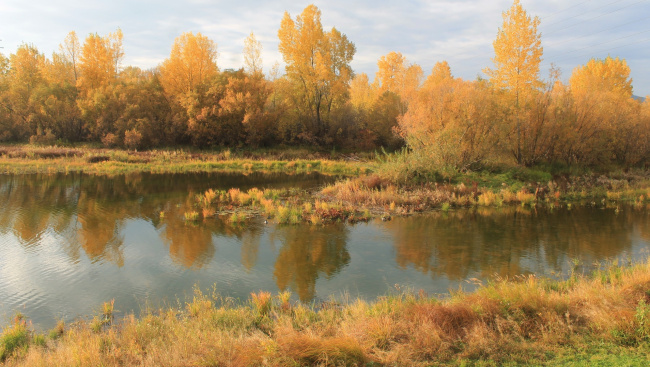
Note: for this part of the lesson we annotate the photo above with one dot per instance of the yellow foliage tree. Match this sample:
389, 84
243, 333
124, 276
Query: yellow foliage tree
517, 55
245, 99
362, 93
25, 77
610, 76
449, 123
191, 64
317, 64
603, 116
394, 74
71, 49
99, 61
25, 70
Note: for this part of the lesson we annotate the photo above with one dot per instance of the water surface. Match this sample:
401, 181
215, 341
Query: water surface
70, 242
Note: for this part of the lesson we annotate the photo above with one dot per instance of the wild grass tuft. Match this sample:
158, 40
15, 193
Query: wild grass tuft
282, 214
58, 330
14, 338
237, 218
191, 216
262, 302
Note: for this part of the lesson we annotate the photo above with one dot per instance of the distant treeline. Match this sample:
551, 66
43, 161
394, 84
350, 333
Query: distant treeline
83, 93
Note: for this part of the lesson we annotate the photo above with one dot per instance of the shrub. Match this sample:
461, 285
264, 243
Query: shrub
43, 138
110, 140
132, 139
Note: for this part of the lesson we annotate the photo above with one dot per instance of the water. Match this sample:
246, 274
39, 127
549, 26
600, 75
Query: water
70, 242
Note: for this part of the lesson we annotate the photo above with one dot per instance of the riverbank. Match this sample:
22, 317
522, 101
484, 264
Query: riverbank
601, 318
372, 187
29, 159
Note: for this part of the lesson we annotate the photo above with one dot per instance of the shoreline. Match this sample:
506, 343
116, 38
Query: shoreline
525, 320
365, 190
28, 159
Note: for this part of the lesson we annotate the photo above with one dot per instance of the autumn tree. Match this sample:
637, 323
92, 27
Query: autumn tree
143, 114
601, 121
99, 60
5, 119
252, 55
186, 77
191, 64
24, 80
395, 84
611, 76
449, 124
362, 93
59, 94
318, 66
395, 74
363, 96
97, 82
517, 55
71, 49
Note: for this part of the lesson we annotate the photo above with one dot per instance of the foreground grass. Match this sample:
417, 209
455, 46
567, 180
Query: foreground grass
29, 159
603, 319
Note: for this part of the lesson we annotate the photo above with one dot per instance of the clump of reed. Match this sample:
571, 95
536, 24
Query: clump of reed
237, 218
489, 198
15, 338
191, 216
369, 190
58, 330
104, 318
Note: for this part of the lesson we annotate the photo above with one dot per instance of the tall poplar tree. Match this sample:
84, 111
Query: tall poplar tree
191, 64
317, 63
517, 55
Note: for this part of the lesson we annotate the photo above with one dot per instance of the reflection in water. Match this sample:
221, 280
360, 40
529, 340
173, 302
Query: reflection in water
96, 208
70, 242
512, 241
190, 244
308, 251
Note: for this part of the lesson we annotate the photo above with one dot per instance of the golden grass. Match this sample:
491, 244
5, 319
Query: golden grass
29, 159
507, 321
371, 191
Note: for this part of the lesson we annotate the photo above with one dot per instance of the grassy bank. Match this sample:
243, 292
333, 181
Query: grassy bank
29, 159
601, 319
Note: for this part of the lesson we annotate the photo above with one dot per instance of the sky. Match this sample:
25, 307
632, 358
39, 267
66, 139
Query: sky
460, 32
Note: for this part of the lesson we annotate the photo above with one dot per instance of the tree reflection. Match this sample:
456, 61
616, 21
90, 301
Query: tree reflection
509, 241
89, 214
190, 244
306, 252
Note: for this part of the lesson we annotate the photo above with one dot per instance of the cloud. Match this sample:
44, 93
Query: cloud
460, 31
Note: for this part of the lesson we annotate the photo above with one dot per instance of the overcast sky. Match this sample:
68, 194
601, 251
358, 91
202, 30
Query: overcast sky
425, 31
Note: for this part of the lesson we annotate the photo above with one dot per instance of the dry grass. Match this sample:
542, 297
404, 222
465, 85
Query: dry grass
30, 159
516, 321
373, 192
